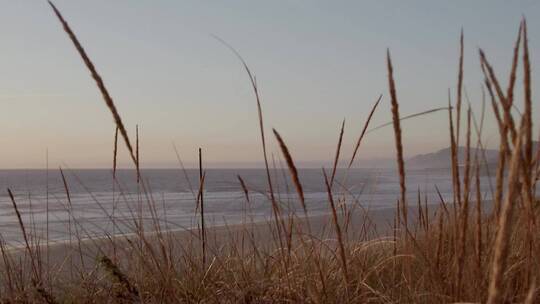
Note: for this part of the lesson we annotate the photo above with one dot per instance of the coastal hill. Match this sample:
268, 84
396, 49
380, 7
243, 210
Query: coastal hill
442, 158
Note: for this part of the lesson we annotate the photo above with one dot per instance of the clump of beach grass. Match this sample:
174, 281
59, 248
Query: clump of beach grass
437, 256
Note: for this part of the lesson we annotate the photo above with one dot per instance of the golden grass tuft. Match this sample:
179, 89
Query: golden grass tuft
488, 256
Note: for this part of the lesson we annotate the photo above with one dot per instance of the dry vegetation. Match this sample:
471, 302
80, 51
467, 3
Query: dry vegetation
455, 253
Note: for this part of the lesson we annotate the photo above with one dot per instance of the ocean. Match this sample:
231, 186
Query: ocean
168, 196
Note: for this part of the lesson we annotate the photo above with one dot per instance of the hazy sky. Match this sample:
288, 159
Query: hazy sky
316, 63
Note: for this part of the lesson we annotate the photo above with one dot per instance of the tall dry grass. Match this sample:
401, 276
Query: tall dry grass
428, 255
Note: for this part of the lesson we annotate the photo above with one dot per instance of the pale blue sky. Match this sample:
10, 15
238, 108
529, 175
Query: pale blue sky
316, 63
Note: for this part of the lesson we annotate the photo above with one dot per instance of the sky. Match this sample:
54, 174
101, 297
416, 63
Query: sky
316, 63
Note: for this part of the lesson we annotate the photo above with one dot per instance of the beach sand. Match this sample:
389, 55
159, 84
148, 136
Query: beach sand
82, 256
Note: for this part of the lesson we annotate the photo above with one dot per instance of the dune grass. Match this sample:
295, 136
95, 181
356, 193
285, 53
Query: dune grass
453, 253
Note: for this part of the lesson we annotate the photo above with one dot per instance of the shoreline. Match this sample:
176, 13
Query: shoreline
82, 255
60, 242
83, 252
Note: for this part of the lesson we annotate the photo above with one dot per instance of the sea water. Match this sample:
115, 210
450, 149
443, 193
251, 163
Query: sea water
167, 198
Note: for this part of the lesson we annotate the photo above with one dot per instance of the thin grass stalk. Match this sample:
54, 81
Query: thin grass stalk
536, 163
442, 202
455, 163
137, 155
35, 241
115, 152
275, 177
115, 155
426, 216
467, 173
494, 104
244, 188
480, 149
290, 212
478, 220
440, 240
527, 185
459, 88
292, 169
201, 199
72, 217
244, 208
527, 113
288, 222
420, 220
502, 246
513, 69
455, 167
507, 117
503, 147
47, 254
482, 116
501, 166
33, 258
406, 117
68, 196
465, 208
364, 129
339, 235
99, 81
397, 134
138, 178
184, 171
395, 243
275, 205
396, 227
338, 149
